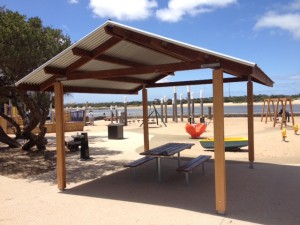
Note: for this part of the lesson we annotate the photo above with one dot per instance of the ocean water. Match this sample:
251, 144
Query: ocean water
232, 109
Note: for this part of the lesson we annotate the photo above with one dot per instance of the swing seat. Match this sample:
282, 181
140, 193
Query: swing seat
195, 130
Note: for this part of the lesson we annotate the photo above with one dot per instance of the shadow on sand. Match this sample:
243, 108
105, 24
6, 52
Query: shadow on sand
268, 194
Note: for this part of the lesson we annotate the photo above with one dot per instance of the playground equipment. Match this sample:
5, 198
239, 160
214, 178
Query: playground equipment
230, 142
268, 114
283, 134
295, 128
157, 115
283, 102
195, 130
275, 114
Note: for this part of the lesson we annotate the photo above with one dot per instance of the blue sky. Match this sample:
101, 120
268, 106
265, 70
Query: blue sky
265, 32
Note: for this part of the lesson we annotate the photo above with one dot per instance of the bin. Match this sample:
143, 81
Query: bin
84, 149
115, 131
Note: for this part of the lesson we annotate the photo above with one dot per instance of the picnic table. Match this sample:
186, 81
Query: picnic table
167, 150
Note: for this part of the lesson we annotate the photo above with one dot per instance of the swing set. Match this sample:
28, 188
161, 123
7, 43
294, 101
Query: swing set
157, 115
270, 102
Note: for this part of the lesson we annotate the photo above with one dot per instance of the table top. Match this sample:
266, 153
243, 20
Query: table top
168, 149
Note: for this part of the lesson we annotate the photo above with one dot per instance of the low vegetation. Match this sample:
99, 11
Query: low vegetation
234, 99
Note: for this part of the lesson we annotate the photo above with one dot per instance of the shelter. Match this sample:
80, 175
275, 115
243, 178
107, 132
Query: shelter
118, 59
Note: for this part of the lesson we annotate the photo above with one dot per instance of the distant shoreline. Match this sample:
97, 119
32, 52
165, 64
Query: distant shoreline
294, 102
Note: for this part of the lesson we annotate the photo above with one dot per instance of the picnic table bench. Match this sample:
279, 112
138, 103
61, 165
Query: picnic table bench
138, 162
167, 150
188, 167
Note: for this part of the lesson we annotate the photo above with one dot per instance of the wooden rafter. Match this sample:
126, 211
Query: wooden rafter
153, 81
256, 73
127, 80
54, 70
142, 70
187, 54
80, 89
98, 90
115, 60
177, 51
235, 68
157, 45
194, 82
85, 56
132, 80
92, 54
48, 83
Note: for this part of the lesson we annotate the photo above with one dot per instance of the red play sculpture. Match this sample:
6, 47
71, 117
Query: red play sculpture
195, 130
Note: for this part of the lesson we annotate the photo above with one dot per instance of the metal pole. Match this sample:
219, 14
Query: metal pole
201, 102
173, 110
175, 105
125, 111
111, 114
181, 108
189, 101
193, 107
162, 108
166, 109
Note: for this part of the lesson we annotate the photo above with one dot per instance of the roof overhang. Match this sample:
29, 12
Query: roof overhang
117, 59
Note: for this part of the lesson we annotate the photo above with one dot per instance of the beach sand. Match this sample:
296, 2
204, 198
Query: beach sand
102, 191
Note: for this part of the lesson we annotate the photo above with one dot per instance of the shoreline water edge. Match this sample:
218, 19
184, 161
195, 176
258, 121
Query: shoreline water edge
230, 110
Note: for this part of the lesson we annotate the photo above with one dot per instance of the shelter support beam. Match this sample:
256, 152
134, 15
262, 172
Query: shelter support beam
60, 136
250, 123
145, 119
220, 168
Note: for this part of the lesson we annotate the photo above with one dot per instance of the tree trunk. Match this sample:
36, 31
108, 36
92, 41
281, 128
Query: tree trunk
8, 140
14, 123
38, 106
41, 140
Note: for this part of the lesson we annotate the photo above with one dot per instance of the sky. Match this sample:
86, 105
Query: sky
266, 32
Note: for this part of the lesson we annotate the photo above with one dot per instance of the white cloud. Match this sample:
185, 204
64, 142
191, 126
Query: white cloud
73, 1
295, 77
288, 20
123, 10
295, 5
177, 9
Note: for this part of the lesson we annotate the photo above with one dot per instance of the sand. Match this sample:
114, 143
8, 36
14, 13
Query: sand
102, 191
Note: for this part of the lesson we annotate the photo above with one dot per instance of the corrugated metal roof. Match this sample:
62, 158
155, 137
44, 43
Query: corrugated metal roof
133, 53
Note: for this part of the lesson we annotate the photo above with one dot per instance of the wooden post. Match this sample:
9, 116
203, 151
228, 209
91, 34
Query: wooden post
175, 105
145, 119
291, 112
263, 111
162, 109
125, 111
276, 112
166, 109
268, 111
193, 109
181, 108
60, 136
250, 122
220, 167
173, 110
111, 114
189, 102
283, 118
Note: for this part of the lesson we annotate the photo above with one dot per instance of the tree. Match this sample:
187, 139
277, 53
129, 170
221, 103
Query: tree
24, 45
